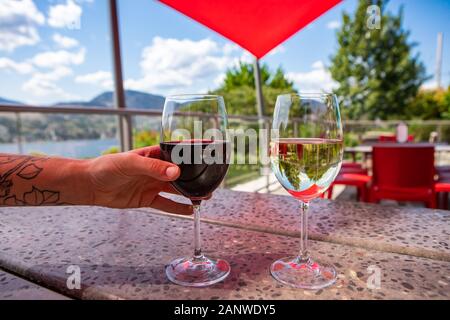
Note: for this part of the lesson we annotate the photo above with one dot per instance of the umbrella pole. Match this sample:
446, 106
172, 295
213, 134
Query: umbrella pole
261, 120
259, 94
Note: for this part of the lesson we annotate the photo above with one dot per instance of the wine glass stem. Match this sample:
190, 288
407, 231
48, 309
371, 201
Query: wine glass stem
304, 254
197, 238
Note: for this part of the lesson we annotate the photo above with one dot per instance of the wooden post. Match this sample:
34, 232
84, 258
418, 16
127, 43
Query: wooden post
125, 123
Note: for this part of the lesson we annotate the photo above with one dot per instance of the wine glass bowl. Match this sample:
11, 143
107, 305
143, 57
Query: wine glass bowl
194, 136
306, 156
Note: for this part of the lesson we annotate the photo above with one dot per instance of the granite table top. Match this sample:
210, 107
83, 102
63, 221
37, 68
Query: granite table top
406, 230
121, 254
15, 288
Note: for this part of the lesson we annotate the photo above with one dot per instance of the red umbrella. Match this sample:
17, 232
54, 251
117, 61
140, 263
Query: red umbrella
256, 25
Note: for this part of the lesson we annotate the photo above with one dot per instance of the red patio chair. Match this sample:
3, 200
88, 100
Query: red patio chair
393, 138
403, 173
351, 174
357, 180
444, 188
387, 138
352, 167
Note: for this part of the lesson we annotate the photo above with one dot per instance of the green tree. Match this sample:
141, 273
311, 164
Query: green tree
445, 110
430, 104
238, 88
279, 81
243, 75
377, 73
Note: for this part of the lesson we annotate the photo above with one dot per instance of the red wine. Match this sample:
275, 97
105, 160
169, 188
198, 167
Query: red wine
200, 174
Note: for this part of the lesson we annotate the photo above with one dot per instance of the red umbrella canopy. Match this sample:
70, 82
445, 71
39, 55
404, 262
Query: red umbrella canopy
256, 25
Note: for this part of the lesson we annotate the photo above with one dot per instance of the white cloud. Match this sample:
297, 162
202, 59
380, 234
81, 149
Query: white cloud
19, 67
66, 15
169, 64
318, 65
51, 59
53, 66
99, 78
48, 59
230, 47
317, 80
42, 84
18, 21
429, 85
218, 80
335, 24
64, 42
246, 57
276, 50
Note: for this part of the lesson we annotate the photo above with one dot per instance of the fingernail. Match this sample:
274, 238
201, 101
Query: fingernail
171, 172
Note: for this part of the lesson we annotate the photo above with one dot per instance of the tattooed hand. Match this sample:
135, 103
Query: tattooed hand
13, 169
134, 179
124, 180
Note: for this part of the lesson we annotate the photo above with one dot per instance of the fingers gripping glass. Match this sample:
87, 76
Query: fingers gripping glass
194, 137
306, 156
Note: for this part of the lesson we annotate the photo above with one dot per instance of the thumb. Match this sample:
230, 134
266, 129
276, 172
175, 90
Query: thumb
154, 168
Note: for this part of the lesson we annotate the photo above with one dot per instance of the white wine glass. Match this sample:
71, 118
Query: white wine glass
306, 156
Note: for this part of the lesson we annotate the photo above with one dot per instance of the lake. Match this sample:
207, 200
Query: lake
69, 148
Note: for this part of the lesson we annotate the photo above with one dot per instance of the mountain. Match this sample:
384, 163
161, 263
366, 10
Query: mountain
133, 100
6, 101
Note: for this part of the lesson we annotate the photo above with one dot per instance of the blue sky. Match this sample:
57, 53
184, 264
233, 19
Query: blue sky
59, 50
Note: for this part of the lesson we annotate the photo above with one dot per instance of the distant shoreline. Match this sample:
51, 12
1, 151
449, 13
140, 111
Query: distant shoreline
76, 148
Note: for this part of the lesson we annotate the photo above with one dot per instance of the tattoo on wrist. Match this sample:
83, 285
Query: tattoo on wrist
26, 168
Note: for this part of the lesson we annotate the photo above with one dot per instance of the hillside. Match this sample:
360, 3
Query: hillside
6, 101
134, 100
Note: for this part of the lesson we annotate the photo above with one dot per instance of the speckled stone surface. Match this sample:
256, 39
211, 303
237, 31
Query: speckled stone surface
415, 231
15, 288
122, 254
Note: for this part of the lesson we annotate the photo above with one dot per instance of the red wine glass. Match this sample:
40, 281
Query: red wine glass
194, 136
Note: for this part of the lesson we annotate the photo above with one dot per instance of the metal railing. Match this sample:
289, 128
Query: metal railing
128, 114
76, 109
122, 113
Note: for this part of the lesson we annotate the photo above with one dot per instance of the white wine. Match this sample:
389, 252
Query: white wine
306, 167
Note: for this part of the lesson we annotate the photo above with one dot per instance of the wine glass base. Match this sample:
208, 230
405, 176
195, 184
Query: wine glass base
303, 274
197, 272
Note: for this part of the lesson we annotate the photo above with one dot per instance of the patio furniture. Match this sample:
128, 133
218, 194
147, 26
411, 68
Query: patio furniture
442, 188
122, 253
393, 138
352, 167
367, 149
403, 173
351, 174
358, 180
